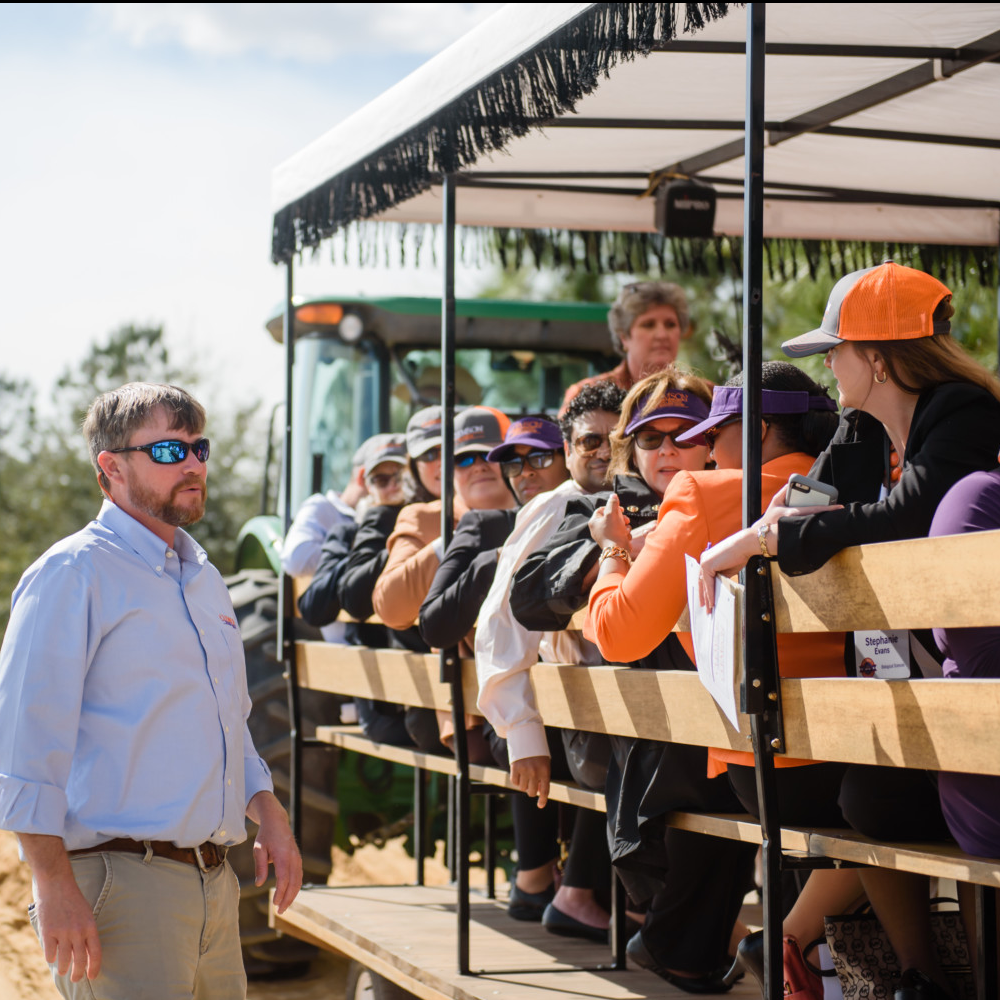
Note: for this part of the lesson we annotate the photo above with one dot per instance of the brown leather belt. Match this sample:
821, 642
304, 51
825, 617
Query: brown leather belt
204, 856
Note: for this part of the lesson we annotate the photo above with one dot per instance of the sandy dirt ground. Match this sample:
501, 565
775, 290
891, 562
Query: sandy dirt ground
25, 976
23, 972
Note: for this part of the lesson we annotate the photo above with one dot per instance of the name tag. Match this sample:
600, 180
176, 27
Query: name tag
885, 655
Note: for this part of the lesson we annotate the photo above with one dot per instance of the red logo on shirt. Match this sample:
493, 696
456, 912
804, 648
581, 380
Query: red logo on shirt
226, 620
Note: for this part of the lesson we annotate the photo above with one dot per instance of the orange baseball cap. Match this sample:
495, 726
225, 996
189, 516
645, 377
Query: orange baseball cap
888, 302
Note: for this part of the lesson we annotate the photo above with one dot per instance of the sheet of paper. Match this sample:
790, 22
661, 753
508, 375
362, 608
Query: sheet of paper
717, 640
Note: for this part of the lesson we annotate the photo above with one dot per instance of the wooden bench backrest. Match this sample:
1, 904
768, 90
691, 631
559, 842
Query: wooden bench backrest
953, 581
933, 724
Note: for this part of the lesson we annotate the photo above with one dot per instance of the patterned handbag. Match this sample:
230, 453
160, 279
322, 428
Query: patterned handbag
867, 966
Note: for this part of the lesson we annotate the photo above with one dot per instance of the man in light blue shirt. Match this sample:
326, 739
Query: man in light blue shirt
126, 765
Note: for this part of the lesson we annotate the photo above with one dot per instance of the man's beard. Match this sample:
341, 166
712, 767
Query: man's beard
167, 511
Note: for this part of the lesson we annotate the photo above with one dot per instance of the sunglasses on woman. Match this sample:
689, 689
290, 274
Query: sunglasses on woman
467, 459
535, 459
170, 452
650, 440
713, 432
431, 455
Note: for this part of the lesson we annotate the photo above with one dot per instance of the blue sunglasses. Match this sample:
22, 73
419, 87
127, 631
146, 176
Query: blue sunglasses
170, 452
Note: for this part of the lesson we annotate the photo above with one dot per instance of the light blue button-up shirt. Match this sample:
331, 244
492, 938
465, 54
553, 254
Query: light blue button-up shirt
123, 696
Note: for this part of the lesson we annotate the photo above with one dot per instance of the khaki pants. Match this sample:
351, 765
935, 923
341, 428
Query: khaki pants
167, 930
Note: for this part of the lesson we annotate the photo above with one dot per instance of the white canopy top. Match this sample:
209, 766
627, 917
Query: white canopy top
882, 125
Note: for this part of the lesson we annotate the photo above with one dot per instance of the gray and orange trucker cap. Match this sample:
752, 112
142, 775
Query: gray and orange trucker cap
479, 428
423, 431
888, 302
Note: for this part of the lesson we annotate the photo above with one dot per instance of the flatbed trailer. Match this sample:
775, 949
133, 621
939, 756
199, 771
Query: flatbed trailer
556, 127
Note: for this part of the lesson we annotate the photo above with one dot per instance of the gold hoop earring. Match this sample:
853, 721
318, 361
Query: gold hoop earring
882, 380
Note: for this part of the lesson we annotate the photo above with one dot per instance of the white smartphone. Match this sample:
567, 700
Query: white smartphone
805, 492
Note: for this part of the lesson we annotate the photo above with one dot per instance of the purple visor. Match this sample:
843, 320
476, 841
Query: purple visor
727, 401
675, 403
535, 432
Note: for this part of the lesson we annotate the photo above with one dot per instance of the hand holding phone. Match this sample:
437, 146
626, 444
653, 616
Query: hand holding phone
805, 492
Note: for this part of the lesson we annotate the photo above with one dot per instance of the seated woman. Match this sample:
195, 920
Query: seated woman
970, 802
531, 460
647, 321
634, 607
415, 550
367, 556
694, 884
919, 415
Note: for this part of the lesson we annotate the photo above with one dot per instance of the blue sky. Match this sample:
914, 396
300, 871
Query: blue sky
138, 144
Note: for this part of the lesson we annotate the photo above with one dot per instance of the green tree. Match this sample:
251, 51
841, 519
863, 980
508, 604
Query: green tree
794, 295
48, 488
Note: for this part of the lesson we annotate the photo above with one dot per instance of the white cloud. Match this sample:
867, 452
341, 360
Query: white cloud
307, 32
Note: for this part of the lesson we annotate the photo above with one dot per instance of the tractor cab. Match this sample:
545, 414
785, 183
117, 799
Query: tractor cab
363, 366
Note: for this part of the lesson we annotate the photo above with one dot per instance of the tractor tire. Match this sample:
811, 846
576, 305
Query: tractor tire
363, 984
255, 598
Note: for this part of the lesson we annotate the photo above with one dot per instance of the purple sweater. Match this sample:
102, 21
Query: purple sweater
971, 802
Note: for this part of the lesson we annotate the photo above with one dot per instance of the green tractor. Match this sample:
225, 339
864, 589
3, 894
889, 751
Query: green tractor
361, 367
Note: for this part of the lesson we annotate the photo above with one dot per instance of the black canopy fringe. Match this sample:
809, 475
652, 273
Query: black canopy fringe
524, 94
368, 243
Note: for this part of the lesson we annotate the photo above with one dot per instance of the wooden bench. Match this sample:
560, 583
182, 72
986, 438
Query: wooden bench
931, 724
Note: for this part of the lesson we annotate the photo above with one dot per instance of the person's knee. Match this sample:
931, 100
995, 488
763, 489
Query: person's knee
891, 803
587, 756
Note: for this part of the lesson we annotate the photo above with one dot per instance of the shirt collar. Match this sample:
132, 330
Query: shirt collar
341, 507
147, 544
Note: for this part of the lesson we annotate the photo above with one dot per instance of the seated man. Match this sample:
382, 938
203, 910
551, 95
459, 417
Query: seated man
505, 651
384, 456
315, 519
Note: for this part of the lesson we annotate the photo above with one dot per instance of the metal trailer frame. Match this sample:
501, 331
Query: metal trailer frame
761, 698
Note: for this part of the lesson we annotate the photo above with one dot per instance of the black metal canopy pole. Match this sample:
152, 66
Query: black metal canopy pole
753, 262
286, 643
451, 668
761, 695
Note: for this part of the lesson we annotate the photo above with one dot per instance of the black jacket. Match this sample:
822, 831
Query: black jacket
366, 561
320, 604
955, 431
548, 588
464, 577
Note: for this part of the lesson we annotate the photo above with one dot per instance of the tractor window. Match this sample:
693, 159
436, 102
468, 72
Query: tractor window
336, 398
515, 381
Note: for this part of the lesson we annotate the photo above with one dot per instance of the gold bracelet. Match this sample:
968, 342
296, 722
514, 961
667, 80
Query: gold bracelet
615, 552
762, 530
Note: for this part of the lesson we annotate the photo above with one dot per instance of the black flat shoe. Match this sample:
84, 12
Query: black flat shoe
749, 959
914, 985
529, 905
557, 922
713, 982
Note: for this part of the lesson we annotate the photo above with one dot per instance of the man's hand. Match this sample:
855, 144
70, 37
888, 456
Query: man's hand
275, 845
65, 919
531, 775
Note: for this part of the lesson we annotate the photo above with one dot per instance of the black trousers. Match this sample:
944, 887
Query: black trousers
536, 831
694, 883
807, 795
383, 722
893, 803
690, 919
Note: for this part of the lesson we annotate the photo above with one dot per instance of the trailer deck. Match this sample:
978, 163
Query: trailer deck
407, 934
